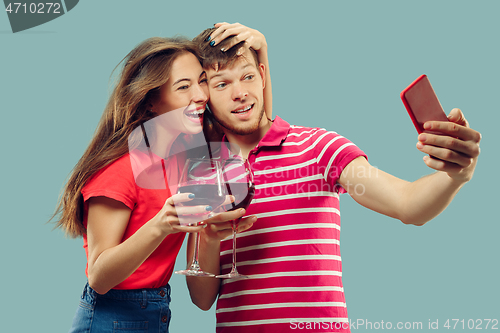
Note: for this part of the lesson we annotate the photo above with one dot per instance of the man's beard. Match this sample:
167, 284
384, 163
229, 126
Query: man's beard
246, 129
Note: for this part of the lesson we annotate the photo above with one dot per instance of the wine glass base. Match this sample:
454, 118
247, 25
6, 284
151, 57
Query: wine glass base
232, 275
191, 272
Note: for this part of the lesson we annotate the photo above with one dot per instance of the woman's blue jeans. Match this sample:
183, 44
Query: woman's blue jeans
132, 311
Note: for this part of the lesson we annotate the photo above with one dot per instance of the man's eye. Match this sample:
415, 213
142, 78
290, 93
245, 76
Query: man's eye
183, 87
249, 77
220, 85
203, 81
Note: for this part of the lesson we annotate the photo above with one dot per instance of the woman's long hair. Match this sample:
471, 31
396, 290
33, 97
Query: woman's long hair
145, 69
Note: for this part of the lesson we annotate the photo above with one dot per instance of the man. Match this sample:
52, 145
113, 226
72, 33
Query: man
292, 254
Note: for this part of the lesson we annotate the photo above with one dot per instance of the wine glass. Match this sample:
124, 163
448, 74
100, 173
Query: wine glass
238, 180
203, 178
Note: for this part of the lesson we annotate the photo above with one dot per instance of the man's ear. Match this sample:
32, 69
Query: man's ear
262, 71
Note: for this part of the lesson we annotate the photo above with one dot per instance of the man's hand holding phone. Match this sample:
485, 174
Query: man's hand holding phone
457, 146
451, 141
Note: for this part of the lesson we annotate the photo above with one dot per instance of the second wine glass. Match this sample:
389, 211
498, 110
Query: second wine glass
238, 180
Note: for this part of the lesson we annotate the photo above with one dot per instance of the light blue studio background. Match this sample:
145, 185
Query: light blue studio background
335, 64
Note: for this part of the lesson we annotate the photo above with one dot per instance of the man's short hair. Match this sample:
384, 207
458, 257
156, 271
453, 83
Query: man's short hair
213, 57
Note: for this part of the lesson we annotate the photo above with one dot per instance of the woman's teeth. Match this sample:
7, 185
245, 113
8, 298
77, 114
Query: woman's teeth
195, 114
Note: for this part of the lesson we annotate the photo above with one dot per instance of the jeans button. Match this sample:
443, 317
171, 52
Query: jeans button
164, 319
162, 293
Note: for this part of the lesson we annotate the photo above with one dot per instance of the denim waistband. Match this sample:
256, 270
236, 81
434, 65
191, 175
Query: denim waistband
150, 294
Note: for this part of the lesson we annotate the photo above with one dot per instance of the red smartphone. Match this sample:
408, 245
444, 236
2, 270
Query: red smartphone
422, 103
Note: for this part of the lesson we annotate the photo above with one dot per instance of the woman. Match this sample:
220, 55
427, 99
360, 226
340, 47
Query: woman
132, 233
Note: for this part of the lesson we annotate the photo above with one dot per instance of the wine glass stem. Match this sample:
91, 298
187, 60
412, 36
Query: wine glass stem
235, 225
195, 264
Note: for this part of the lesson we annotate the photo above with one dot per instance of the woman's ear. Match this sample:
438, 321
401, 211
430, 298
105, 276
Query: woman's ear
150, 107
151, 100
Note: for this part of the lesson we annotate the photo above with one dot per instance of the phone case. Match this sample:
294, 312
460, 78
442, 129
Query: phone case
422, 103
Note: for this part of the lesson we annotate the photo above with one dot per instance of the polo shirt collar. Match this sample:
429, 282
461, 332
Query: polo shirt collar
276, 134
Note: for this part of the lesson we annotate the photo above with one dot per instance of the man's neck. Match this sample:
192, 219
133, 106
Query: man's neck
250, 141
